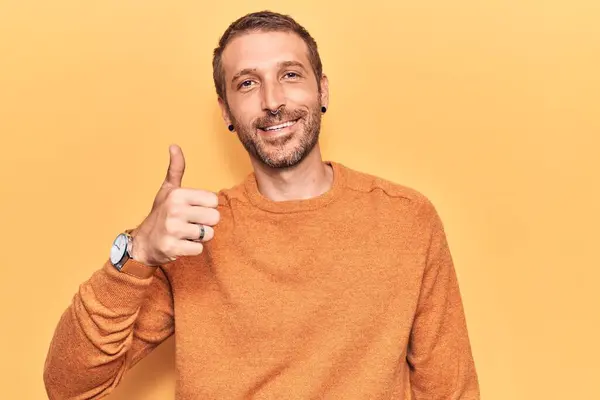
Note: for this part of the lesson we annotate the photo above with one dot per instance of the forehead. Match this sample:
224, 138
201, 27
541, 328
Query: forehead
263, 50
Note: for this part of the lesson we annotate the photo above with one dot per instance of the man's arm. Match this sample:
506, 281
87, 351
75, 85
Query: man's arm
439, 354
115, 318
113, 321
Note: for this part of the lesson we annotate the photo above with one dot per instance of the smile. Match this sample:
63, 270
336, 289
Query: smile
280, 126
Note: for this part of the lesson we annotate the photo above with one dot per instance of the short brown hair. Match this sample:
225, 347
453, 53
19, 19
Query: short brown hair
263, 21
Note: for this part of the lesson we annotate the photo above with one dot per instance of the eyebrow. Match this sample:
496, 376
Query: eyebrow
283, 64
286, 64
243, 72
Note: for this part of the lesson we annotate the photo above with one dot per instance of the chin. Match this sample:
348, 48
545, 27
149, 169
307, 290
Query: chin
288, 157
283, 158
281, 162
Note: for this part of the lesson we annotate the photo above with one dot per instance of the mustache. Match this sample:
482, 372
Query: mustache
283, 115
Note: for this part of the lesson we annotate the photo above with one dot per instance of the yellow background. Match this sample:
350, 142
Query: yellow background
490, 108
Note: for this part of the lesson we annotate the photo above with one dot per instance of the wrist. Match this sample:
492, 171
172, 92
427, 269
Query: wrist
138, 250
123, 258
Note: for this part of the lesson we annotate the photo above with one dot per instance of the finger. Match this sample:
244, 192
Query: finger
199, 197
196, 233
201, 215
176, 166
188, 248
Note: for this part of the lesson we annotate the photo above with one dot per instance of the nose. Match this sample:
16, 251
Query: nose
273, 97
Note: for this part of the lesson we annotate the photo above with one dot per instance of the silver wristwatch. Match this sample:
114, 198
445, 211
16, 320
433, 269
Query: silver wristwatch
120, 251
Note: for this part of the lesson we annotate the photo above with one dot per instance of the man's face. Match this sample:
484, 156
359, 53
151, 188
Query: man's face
267, 72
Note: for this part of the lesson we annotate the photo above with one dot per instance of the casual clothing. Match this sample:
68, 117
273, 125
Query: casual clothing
349, 295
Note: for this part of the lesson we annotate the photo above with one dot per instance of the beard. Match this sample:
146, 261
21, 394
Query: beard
278, 152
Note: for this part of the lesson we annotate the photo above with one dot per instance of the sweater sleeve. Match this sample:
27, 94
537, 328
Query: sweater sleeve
113, 321
439, 353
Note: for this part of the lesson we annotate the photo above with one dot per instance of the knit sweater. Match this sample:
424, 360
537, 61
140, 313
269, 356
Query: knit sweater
348, 295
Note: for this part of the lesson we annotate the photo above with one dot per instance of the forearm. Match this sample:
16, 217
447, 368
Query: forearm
93, 343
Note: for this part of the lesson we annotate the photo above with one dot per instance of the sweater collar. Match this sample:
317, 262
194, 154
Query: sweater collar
291, 206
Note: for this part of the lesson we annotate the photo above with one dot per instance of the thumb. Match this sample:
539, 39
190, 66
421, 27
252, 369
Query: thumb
176, 166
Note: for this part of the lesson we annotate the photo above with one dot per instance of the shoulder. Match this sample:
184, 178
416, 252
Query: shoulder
367, 183
396, 201
409, 212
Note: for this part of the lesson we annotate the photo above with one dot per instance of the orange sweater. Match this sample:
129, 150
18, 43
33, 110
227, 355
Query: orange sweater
350, 295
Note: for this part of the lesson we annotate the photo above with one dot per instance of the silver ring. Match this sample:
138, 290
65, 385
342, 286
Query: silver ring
202, 232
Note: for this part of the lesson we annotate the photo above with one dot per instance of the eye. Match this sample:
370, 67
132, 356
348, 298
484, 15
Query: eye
246, 84
291, 75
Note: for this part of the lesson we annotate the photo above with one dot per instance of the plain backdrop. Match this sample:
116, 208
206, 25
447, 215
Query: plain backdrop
490, 108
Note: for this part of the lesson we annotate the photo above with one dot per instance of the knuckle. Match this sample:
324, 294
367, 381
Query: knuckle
174, 197
171, 226
169, 248
163, 246
174, 211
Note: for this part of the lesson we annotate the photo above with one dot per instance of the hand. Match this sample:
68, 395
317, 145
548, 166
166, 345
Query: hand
172, 227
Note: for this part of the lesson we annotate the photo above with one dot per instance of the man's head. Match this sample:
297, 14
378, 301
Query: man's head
267, 72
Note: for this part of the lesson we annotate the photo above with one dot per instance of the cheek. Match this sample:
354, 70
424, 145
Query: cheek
244, 109
300, 95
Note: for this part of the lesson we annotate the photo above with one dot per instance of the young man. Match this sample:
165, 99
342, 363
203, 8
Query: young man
308, 280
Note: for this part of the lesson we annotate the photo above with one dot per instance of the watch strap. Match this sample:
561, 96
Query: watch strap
132, 267
137, 269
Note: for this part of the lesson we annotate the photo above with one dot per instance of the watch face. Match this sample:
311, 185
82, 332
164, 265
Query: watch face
118, 249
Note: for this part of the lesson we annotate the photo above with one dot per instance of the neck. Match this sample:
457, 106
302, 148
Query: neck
310, 178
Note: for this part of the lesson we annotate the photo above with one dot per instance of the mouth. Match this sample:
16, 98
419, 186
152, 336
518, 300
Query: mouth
279, 127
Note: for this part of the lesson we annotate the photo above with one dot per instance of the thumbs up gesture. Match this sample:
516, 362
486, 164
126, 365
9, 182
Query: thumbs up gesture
180, 220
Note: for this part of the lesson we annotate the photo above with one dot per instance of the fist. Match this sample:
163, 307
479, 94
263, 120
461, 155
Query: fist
180, 221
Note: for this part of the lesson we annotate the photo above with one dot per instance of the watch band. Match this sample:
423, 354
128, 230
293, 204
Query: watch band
137, 269
132, 267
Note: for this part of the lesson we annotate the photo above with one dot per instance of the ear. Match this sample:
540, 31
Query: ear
224, 111
325, 91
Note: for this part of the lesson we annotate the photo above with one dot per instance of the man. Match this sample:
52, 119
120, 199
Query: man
308, 280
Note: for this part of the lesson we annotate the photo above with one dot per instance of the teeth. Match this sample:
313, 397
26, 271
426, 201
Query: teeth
285, 125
